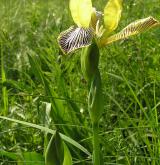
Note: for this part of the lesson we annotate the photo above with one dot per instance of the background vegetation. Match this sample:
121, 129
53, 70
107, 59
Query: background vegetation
38, 85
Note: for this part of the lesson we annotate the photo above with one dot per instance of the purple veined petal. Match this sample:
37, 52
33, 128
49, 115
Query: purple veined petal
75, 38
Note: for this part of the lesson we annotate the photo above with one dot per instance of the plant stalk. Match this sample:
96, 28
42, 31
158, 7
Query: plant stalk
4, 89
96, 147
89, 66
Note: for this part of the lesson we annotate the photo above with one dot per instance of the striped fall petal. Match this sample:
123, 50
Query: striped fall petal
75, 38
132, 29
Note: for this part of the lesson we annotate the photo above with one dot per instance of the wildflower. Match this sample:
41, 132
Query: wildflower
88, 27
89, 33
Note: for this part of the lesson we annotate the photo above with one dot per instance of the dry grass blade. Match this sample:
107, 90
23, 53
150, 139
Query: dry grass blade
132, 29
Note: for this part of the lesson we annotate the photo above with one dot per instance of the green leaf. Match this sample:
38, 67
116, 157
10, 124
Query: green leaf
134, 28
55, 152
67, 156
47, 130
31, 158
95, 98
112, 14
89, 61
10, 155
27, 158
81, 11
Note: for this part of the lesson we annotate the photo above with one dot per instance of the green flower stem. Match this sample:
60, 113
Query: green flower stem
96, 147
89, 66
95, 106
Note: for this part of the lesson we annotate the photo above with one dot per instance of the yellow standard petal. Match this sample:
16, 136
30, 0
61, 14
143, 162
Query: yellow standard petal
81, 11
112, 14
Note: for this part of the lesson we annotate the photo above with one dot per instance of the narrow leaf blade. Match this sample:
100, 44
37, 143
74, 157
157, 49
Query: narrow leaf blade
31, 158
54, 153
67, 156
47, 130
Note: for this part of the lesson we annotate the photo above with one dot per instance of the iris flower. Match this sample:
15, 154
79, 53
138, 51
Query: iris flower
92, 24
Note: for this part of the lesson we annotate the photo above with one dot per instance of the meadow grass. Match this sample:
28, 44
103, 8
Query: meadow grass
40, 86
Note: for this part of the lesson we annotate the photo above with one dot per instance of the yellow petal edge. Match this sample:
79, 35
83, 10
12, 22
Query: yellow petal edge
81, 11
112, 14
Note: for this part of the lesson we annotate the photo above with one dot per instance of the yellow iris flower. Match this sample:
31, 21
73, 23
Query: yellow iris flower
88, 26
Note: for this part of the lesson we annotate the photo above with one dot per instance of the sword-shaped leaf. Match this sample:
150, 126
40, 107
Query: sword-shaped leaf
67, 156
112, 14
81, 11
55, 151
75, 38
132, 29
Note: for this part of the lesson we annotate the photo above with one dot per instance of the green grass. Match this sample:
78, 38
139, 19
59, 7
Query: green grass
40, 86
